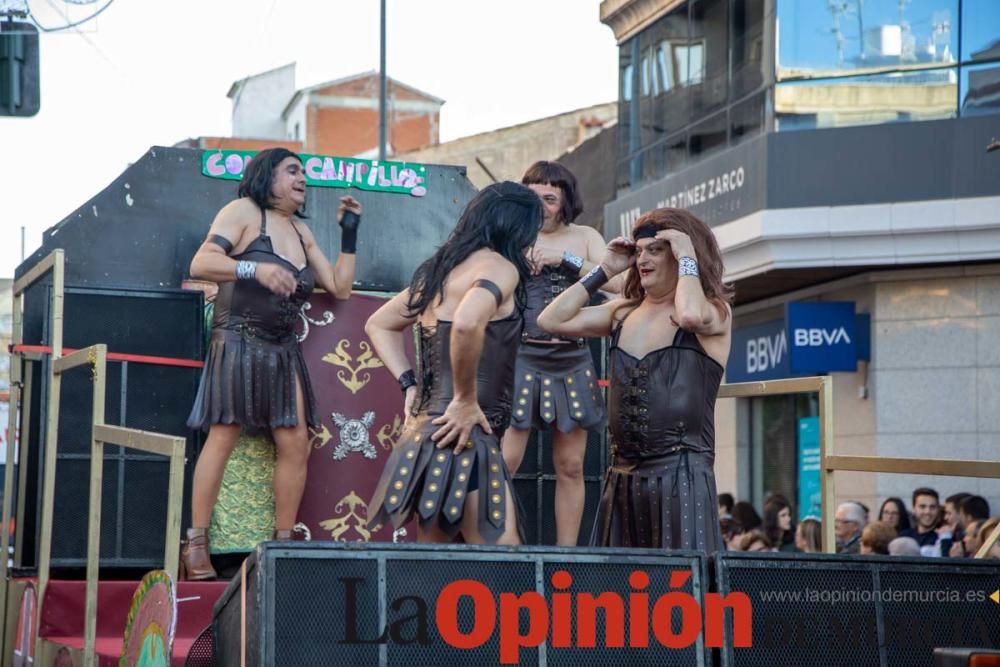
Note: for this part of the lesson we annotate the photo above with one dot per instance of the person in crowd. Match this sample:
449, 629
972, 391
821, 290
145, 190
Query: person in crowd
904, 546
755, 540
778, 523
732, 531
670, 338
725, 504
974, 508
747, 515
809, 536
875, 538
952, 528
467, 302
971, 541
266, 262
925, 515
849, 521
987, 528
894, 513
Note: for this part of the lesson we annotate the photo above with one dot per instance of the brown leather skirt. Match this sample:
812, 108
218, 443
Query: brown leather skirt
430, 483
251, 381
669, 502
556, 385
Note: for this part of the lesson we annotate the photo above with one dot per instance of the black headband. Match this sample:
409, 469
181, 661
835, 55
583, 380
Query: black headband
644, 232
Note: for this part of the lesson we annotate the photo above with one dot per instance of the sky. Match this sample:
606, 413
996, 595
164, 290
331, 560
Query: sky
149, 72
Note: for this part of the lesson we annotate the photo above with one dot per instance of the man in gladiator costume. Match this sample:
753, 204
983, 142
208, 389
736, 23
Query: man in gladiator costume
446, 468
670, 337
266, 263
555, 384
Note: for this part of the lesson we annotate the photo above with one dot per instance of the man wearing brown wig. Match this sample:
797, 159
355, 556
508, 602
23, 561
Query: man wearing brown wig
670, 338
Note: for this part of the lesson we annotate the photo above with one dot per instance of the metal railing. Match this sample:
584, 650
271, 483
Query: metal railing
831, 463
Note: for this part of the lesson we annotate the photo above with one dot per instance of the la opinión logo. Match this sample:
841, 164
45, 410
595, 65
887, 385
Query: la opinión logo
569, 622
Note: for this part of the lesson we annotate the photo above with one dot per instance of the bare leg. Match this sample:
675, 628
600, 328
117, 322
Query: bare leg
292, 448
515, 442
470, 521
432, 535
567, 457
208, 471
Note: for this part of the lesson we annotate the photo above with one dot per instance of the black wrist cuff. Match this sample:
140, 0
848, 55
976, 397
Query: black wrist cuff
349, 232
407, 380
571, 263
594, 279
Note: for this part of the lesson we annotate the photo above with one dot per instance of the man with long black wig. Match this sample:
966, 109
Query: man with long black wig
467, 299
266, 263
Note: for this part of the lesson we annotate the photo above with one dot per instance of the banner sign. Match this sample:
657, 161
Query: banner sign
810, 496
822, 336
759, 352
330, 172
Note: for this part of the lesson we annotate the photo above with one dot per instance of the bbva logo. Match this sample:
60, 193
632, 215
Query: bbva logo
821, 337
766, 352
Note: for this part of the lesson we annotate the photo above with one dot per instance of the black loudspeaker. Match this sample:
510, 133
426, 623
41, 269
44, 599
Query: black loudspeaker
826, 610
312, 603
145, 396
535, 481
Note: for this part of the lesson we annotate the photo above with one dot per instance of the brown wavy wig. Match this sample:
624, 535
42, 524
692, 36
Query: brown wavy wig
710, 268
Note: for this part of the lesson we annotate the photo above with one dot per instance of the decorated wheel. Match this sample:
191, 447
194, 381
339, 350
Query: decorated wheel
149, 631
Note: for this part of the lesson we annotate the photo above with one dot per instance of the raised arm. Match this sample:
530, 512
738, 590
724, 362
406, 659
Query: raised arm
339, 278
212, 261
566, 316
694, 312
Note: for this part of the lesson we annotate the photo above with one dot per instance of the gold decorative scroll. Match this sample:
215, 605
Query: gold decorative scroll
366, 360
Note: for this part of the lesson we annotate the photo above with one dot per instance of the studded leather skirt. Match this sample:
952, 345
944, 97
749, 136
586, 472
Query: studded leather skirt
249, 379
666, 502
419, 480
556, 385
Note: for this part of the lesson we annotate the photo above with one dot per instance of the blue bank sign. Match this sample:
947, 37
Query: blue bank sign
814, 337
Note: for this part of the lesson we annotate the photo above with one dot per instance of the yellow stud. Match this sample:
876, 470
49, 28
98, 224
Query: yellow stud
398, 486
432, 488
393, 499
436, 472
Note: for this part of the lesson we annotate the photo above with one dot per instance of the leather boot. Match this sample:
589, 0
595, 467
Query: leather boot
196, 564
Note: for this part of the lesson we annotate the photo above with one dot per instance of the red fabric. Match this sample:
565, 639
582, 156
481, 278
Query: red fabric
63, 612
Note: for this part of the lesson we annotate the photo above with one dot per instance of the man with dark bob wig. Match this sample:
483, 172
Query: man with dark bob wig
670, 337
266, 263
467, 300
556, 382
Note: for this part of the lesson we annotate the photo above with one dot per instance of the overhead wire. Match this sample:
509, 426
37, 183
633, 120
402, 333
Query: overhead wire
69, 25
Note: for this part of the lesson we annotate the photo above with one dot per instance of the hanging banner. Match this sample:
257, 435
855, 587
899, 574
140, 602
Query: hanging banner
810, 491
330, 172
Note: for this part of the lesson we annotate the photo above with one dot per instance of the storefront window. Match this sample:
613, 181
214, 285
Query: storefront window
828, 39
867, 100
778, 451
980, 30
708, 136
980, 90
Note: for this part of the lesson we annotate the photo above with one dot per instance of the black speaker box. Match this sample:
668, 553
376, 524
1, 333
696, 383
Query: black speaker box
827, 610
150, 397
311, 603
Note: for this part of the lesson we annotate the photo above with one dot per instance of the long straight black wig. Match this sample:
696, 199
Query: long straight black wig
504, 217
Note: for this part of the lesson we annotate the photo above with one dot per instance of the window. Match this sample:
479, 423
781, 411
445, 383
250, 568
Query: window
980, 91
867, 100
828, 39
747, 30
980, 30
708, 55
746, 119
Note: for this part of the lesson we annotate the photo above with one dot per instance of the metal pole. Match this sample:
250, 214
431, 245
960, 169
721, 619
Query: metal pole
383, 124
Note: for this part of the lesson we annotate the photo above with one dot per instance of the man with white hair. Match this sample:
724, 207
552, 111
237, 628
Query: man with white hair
904, 546
848, 524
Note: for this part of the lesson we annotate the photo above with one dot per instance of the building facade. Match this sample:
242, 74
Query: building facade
839, 152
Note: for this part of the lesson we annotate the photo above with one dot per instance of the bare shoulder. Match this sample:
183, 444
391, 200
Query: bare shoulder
587, 233
304, 229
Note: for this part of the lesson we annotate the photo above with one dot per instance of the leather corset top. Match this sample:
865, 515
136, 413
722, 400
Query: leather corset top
249, 307
494, 378
540, 291
665, 401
